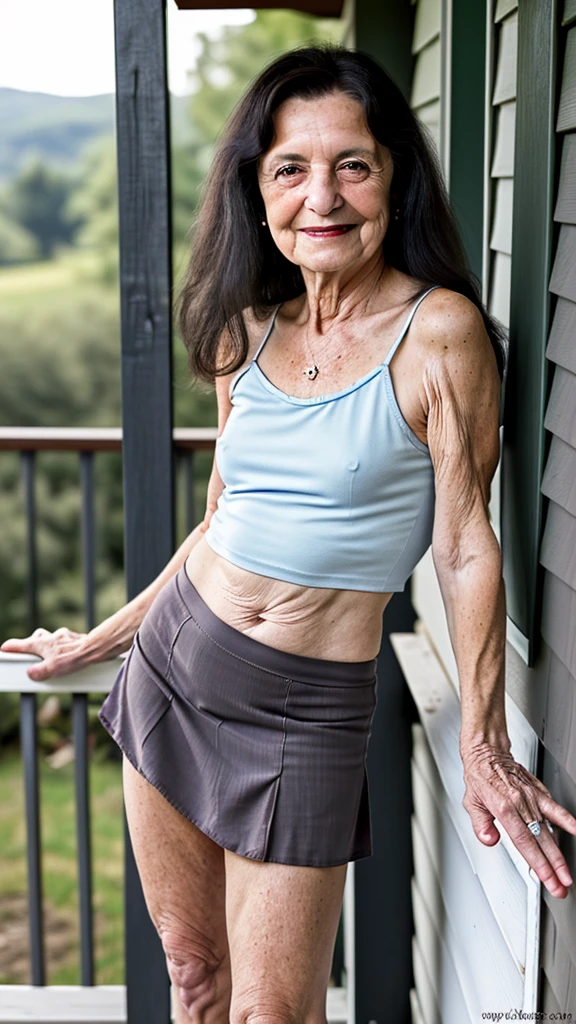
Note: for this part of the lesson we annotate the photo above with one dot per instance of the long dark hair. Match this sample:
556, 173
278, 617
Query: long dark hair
235, 264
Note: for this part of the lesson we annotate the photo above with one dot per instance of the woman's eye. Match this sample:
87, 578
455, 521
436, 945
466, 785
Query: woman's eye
354, 166
288, 171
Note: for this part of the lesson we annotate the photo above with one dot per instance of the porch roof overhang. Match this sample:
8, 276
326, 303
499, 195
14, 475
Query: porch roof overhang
320, 8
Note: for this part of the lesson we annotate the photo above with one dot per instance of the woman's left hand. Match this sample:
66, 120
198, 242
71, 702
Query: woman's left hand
497, 786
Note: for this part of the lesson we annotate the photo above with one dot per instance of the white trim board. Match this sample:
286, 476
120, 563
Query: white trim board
511, 887
516, 639
97, 1004
350, 942
63, 1004
489, 978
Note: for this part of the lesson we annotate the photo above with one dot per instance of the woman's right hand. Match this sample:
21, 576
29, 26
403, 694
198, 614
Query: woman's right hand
62, 651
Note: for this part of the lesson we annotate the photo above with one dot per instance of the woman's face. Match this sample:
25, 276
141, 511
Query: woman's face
325, 182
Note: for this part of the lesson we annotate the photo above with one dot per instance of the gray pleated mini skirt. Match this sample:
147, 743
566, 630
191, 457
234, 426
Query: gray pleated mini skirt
263, 750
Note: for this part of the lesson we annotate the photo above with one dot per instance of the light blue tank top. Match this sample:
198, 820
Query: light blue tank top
330, 491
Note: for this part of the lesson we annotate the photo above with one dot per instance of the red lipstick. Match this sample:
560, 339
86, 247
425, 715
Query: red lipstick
329, 231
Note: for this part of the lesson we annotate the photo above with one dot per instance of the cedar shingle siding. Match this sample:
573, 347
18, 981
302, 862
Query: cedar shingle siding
425, 96
502, 166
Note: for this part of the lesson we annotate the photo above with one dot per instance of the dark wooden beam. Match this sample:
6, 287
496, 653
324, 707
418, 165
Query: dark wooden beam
383, 919
385, 31
467, 101
320, 8
532, 237
142, 118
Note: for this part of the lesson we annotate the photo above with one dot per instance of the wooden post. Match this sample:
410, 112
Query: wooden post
383, 922
466, 51
523, 453
145, 285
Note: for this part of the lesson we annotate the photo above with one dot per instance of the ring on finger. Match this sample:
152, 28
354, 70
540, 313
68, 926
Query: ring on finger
535, 826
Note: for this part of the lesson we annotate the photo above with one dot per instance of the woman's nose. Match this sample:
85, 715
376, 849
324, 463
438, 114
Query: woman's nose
323, 195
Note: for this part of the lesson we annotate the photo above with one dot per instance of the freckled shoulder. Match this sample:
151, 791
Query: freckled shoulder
452, 341
446, 321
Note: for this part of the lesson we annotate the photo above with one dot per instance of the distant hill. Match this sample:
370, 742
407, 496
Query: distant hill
57, 128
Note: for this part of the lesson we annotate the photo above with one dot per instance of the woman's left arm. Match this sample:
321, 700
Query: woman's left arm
461, 398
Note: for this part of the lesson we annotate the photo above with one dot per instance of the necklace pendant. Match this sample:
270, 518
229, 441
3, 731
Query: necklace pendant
311, 372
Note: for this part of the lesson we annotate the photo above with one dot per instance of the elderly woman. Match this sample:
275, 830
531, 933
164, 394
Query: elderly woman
359, 383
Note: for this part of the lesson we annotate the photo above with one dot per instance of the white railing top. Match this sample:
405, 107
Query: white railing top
97, 678
92, 438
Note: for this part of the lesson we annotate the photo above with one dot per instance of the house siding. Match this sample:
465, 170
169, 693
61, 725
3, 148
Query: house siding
426, 50
545, 694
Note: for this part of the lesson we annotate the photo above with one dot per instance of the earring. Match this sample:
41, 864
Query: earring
397, 214
263, 223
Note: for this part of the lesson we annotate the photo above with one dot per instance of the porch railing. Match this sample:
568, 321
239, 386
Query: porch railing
87, 1002
28, 441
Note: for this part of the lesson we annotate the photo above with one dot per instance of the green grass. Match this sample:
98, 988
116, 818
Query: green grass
60, 870
69, 270
47, 280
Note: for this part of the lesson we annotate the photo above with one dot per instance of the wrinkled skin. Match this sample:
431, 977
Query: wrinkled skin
497, 786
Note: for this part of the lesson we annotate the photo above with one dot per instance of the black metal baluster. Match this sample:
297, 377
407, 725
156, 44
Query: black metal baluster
28, 464
189, 483
83, 833
80, 733
88, 533
28, 743
179, 475
29, 749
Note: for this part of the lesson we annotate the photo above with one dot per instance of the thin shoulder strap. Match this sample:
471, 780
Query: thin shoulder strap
244, 369
407, 324
267, 335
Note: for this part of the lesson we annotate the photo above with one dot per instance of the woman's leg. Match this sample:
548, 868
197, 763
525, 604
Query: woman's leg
182, 874
282, 923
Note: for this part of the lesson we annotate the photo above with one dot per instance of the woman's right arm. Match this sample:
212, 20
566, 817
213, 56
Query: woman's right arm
64, 650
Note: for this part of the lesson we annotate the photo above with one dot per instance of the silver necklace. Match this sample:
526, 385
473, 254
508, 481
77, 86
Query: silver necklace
312, 370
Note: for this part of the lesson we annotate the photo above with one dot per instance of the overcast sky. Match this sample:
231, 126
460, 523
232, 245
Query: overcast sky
67, 46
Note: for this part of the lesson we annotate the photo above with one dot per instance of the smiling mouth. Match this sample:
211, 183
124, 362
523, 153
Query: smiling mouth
332, 231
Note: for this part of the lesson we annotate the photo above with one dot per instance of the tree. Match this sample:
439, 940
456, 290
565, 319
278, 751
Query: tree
37, 200
228, 64
17, 245
93, 206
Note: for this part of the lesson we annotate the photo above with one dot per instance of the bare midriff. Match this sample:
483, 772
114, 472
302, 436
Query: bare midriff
317, 622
